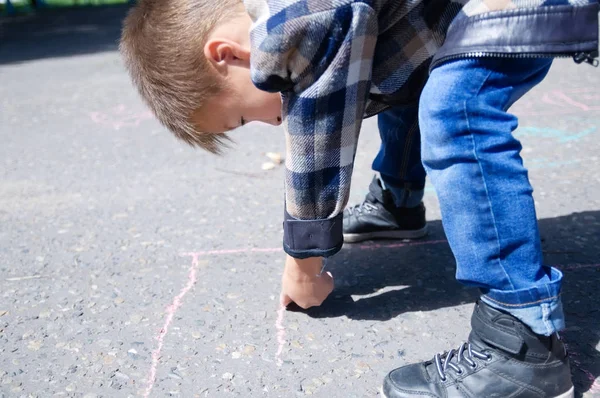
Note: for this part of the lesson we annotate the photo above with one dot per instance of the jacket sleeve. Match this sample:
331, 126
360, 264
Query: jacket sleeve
320, 60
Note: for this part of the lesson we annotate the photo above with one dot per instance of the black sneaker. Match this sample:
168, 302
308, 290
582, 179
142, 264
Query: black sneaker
503, 358
379, 218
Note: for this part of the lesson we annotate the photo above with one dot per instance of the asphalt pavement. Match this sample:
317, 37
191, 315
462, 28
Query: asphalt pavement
134, 266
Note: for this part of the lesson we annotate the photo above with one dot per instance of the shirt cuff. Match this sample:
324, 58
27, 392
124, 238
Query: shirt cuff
312, 238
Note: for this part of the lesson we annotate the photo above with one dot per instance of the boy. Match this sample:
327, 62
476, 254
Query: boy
337, 61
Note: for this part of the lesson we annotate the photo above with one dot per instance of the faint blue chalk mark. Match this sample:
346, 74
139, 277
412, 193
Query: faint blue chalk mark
547, 132
539, 163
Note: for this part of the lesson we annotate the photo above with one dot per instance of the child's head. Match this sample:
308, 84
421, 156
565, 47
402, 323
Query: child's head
190, 60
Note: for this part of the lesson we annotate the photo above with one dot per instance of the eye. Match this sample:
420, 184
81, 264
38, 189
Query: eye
243, 121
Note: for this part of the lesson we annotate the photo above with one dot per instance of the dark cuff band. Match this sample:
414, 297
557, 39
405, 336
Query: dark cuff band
312, 238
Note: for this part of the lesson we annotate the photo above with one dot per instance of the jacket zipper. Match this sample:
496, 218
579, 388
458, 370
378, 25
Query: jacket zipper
589, 57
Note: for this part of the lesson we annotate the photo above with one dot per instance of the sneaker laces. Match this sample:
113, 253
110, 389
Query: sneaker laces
359, 208
465, 353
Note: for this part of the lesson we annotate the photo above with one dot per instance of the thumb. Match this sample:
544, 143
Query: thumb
284, 300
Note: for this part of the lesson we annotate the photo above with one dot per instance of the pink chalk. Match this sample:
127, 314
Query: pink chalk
280, 334
278, 249
170, 312
233, 251
563, 98
577, 266
120, 116
594, 384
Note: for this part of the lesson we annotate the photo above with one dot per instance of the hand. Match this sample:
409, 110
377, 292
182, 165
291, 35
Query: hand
303, 283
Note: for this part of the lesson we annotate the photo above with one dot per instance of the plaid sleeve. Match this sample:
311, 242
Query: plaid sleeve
321, 62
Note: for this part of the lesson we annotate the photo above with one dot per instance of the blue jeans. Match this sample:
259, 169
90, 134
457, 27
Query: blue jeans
474, 163
399, 159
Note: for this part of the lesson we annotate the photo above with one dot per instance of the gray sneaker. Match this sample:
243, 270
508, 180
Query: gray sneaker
379, 218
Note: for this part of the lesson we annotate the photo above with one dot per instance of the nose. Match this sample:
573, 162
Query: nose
274, 122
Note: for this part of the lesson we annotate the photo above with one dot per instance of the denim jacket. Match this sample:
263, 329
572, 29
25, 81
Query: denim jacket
336, 62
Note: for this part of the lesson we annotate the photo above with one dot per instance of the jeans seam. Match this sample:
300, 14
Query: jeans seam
465, 106
546, 312
407, 151
548, 286
546, 318
487, 297
405, 160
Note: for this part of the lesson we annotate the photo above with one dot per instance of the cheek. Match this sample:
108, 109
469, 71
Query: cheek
265, 106
275, 104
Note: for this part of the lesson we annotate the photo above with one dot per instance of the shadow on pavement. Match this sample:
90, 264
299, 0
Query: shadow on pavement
61, 33
382, 282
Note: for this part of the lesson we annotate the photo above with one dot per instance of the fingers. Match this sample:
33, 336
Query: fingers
302, 302
317, 298
284, 300
306, 294
306, 304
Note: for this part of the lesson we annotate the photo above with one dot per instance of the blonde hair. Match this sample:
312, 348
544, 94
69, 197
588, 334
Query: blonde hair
162, 46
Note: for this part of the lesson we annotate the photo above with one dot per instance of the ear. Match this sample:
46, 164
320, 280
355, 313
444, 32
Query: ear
222, 53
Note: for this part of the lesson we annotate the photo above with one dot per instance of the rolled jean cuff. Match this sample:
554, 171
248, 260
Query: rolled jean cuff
406, 198
405, 194
539, 307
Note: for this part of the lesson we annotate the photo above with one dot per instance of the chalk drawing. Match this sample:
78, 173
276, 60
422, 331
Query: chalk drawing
576, 266
560, 102
544, 163
170, 312
235, 251
191, 281
280, 334
561, 136
594, 382
281, 331
278, 249
582, 99
120, 116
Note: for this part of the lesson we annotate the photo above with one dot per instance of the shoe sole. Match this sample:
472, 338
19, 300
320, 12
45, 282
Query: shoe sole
568, 394
411, 234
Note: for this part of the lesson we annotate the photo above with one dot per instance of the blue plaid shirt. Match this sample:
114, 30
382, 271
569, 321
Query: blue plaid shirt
336, 62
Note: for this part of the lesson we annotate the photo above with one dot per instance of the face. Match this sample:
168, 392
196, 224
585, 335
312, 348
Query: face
241, 104
228, 52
